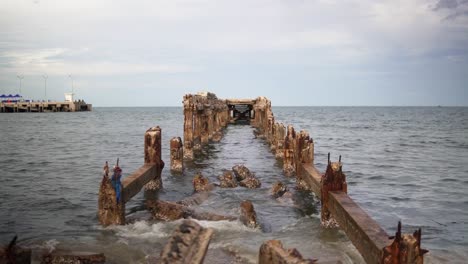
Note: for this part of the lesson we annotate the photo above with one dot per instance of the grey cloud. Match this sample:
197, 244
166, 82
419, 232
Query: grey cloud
449, 4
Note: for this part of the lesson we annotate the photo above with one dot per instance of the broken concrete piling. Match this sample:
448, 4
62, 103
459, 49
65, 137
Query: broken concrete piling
153, 156
188, 244
177, 154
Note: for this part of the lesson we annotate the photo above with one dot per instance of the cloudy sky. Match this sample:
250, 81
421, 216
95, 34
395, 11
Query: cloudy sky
296, 52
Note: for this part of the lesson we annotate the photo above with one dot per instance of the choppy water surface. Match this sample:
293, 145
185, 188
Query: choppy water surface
406, 164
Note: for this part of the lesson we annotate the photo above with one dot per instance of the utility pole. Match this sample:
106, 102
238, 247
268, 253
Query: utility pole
20, 77
45, 85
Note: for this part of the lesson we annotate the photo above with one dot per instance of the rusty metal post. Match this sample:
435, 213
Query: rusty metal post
405, 249
333, 180
289, 164
153, 156
177, 154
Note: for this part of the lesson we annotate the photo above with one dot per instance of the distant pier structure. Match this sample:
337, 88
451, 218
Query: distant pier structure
15, 103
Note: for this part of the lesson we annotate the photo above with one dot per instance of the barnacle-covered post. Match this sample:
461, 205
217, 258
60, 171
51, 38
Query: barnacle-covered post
177, 155
188, 126
153, 157
289, 164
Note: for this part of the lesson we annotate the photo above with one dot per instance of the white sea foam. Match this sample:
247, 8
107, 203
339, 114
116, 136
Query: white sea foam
51, 245
226, 226
142, 229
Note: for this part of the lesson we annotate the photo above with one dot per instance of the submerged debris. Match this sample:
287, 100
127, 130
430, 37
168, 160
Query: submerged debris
273, 252
248, 216
227, 180
169, 211
188, 244
251, 182
201, 183
241, 172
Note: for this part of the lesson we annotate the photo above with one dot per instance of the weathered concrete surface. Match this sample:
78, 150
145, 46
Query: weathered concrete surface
304, 150
153, 156
248, 216
133, 184
169, 211
280, 134
13, 254
273, 252
309, 179
177, 154
73, 258
367, 236
188, 244
289, 163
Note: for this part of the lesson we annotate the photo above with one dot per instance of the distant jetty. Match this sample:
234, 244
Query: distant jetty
15, 103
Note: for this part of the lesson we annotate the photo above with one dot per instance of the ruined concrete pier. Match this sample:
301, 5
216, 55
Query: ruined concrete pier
205, 116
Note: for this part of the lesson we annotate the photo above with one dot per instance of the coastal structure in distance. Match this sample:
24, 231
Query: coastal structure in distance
15, 103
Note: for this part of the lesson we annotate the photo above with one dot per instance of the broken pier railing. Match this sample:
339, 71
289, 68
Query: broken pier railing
205, 116
112, 211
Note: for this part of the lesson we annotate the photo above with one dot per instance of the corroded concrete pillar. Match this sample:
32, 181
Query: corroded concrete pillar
333, 180
289, 164
304, 150
280, 135
188, 127
197, 129
153, 156
177, 154
205, 132
210, 123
